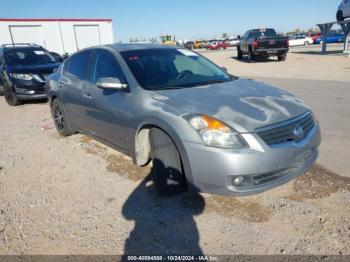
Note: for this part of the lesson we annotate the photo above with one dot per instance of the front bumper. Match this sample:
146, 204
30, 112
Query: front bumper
213, 170
29, 90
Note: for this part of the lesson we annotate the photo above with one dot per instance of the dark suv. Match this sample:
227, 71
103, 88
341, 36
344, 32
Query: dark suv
24, 69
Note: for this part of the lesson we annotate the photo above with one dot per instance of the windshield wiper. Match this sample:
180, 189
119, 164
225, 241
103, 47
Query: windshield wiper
217, 81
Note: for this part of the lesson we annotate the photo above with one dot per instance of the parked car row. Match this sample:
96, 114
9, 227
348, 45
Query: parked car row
315, 38
213, 44
147, 101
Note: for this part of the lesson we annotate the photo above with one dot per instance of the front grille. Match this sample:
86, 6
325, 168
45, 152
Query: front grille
285, 132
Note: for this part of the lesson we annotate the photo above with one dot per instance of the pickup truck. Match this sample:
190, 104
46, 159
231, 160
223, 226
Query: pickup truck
262, 42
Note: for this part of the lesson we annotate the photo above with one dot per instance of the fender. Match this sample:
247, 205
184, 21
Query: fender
168, 129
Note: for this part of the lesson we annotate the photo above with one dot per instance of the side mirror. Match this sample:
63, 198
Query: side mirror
224, 68
110, 83
239, 37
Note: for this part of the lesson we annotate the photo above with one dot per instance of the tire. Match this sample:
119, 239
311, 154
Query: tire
168, 177
239, 53
1, 90
340, 16
250, 56
60, 119
10, 96
282, 57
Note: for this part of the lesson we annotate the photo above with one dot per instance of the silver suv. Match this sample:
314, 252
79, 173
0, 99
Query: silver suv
203, 128
343, 10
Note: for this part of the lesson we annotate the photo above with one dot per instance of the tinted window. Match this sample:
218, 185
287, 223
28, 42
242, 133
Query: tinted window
103, 65
78, 65
28, 56
246, 35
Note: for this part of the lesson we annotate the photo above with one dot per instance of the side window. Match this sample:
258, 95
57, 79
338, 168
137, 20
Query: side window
78, 65
103, 65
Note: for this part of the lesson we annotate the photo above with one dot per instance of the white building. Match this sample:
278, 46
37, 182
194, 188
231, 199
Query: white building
57, 35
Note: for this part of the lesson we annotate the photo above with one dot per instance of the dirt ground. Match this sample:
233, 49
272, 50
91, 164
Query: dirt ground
76, 196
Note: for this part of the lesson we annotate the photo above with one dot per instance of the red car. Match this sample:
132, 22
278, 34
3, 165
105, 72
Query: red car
315, 36
215, 45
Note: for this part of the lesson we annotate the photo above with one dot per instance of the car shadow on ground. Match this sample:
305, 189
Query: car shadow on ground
256, 60
30, 102
333, 52
163, 225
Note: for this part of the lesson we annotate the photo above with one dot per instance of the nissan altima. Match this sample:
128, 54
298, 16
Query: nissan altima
202, 128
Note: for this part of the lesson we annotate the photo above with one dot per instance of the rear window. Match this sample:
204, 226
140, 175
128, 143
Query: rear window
263, 33
28, 56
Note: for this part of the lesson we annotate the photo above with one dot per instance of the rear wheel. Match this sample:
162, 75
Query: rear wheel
10, 96
251, 56
340, 16
239, 53
167, 170
282, 57
60, 119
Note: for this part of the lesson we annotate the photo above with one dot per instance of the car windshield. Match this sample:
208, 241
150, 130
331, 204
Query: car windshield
28, 56
263, 33
168, 68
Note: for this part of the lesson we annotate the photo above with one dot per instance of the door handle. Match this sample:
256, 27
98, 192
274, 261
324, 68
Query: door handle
87, 96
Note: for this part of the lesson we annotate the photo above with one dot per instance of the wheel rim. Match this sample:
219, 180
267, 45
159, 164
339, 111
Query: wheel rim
58, 117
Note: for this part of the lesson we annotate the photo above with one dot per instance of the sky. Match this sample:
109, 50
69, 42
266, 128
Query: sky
189, 19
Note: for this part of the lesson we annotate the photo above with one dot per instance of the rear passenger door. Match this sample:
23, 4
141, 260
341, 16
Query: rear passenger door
71, 85
245, 42
107, 110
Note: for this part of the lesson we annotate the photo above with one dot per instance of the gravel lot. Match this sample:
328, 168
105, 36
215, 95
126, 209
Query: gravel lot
76, 196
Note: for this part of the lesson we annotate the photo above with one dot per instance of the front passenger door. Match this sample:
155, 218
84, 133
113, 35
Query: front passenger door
107, 110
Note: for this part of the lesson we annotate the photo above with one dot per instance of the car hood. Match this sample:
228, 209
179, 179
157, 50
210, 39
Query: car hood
243, 104
33, 69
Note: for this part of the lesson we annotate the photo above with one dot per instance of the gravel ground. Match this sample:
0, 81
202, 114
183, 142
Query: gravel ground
76, 196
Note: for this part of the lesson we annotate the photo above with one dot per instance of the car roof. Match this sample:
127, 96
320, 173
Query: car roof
133, 47
260, 29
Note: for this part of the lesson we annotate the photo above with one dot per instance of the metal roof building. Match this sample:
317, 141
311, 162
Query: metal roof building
57, 35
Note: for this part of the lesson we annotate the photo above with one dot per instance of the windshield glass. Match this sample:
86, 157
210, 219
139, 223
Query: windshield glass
157, 69
27, 56
263, 33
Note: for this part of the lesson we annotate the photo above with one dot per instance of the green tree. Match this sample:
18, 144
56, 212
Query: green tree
224, 35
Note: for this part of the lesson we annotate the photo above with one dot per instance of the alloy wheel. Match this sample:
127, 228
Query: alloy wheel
58, 116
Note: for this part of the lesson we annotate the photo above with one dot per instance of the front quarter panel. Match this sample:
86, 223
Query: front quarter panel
148, 111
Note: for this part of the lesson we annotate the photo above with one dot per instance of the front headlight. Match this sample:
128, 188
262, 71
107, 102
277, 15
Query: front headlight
22, 76
215, 133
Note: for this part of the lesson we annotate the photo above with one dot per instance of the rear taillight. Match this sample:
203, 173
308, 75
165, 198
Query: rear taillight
256, 44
